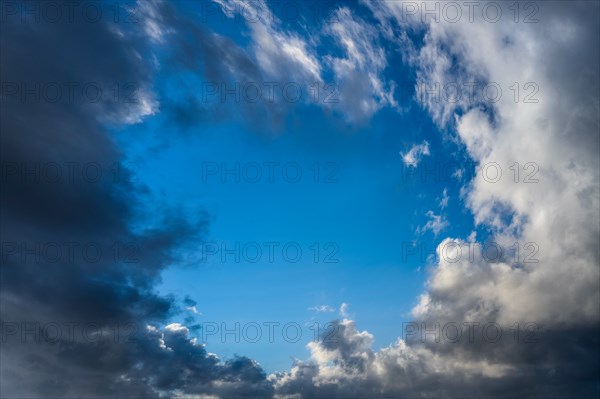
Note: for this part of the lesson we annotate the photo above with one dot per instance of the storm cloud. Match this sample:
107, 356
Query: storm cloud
80, 315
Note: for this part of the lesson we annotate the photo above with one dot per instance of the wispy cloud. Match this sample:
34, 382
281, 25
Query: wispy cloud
436, 224
322, 309
413, 156
445, 199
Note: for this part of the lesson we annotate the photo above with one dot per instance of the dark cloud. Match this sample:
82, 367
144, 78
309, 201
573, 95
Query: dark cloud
557, 363
75, 322
204, 67
81, 327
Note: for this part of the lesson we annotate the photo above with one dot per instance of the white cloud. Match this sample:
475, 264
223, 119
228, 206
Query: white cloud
358, 87
559, 215
414, 155
322, 309
177, 328
553, 141
347, 366
148, 12
344, 309
283, 55
445, 199
193, 310
436, 224
359, 74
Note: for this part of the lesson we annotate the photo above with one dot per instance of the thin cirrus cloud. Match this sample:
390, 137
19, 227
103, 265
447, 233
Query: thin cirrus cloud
436, 224
322, 309
559, 214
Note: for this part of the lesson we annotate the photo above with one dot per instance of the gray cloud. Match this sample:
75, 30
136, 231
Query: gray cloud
149, 359
100, 306
558, 295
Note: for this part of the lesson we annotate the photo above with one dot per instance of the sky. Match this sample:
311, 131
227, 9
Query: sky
300, 199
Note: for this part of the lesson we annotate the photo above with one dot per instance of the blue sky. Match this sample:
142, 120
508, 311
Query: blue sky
359, 203
300, 199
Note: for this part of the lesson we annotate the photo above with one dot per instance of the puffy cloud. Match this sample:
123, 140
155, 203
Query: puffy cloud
550, 202
345, 365
478, 362
553, 203
550, 210
543, 145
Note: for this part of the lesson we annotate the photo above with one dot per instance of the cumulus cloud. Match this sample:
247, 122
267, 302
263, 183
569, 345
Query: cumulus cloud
553, 216
345, 365
562, 192
554, 287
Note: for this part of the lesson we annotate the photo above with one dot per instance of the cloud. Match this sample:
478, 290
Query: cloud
292, 61
344, 309
553, 218
193, 310
436, 224
414, 155
322, 309
108, 322
445, 199
282, 55
345, 365
554, 287
363, 89
555, 210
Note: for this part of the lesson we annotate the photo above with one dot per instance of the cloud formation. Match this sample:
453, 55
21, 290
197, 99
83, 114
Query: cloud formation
557, 210
555, 215
414, 155
79, 312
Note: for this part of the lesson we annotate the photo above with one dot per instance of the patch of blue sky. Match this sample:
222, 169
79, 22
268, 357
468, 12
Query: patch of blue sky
369, 210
